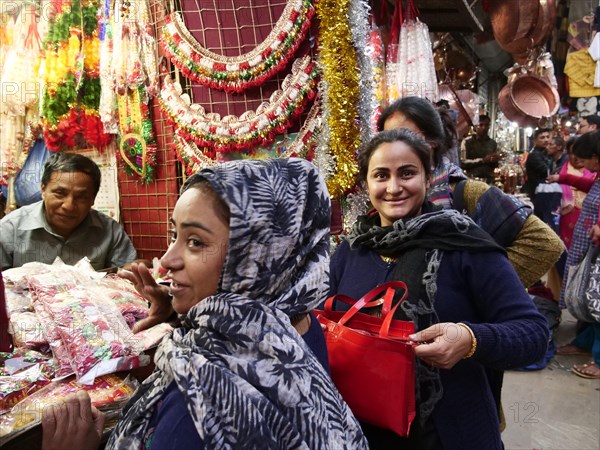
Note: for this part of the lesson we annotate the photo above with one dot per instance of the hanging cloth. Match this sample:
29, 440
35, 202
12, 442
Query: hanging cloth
594, 52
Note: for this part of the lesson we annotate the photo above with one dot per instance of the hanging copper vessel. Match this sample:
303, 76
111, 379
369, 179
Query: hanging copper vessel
513, 22
546, 22
528, 100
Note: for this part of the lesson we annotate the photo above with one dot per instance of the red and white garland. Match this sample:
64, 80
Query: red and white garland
252, 128
238, 73
194, 159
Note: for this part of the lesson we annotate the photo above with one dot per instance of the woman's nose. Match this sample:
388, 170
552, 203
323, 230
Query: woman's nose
393, 186
172, 260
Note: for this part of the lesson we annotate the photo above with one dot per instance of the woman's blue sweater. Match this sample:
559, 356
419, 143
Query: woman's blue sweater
483, 291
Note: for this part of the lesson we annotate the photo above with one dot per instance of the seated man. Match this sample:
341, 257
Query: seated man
63, 223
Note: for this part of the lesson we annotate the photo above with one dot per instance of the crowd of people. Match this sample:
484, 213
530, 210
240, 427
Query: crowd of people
248, 263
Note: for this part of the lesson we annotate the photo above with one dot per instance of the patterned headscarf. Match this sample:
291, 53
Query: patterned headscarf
248, 378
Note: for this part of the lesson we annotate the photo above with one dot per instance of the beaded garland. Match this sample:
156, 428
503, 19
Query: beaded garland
137, 147
252, 128
339, 66
194, 159
238, 73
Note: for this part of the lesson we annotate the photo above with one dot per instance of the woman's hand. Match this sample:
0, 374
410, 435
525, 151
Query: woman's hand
156, 294
552, 178
446, 344
73, 424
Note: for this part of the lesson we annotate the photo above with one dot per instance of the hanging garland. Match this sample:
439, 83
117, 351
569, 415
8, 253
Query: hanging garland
71, 84
238, 73
305, 142
194, 159
137, 148
133, 59
252, 128
340, 71
361, 29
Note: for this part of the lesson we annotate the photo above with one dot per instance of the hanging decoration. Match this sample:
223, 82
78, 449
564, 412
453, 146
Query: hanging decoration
414, 72
137, 148
305, 143
252, 128
303, 146
238, 73
134, 48
71, 80
338, 61
21, 64
376, 52
193, 158
20, 48
360, 27
392, 65
129, 77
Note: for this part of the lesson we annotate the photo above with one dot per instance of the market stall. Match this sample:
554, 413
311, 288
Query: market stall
71, 329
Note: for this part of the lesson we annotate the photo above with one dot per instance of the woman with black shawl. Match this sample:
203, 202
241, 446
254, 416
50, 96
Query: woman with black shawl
470, 310
248, 258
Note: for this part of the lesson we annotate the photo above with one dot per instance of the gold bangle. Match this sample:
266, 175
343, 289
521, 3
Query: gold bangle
473, 340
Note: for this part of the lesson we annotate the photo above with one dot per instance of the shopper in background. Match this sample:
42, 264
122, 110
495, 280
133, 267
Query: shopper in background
248, 261
556, 152
586, 233
469, 308
537, 165
480, 152
587, 124
572, 198
63, 223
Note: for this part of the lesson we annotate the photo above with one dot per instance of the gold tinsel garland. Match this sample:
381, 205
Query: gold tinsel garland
341, 73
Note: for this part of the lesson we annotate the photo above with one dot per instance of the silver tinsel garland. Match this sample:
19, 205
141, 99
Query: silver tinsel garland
360, 26
323, 159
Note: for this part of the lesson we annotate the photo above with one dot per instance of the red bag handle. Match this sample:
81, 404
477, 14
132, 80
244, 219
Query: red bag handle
372, 298
411, 12
397, 20
384, 13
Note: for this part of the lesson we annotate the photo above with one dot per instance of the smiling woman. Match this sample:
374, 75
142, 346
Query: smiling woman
248, 258
396, 169
198, 244
468, 306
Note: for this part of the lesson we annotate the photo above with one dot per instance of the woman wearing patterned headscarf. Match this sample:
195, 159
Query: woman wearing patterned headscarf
249, 255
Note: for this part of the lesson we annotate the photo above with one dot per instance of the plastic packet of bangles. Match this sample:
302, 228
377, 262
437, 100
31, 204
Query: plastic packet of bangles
107, 393
17, 302
27, 331
132, 306
14, 388
93, 331
17, 278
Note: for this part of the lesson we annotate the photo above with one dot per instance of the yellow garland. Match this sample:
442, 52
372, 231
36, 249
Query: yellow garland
340, 71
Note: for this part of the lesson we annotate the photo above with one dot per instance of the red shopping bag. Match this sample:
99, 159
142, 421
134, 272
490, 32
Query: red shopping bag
371, 358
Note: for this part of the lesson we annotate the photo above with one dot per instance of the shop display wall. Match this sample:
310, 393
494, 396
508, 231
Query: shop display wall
146, 208
225, 27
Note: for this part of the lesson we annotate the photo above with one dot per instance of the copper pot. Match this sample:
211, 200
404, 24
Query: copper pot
527, 100
513, 22
542, 31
